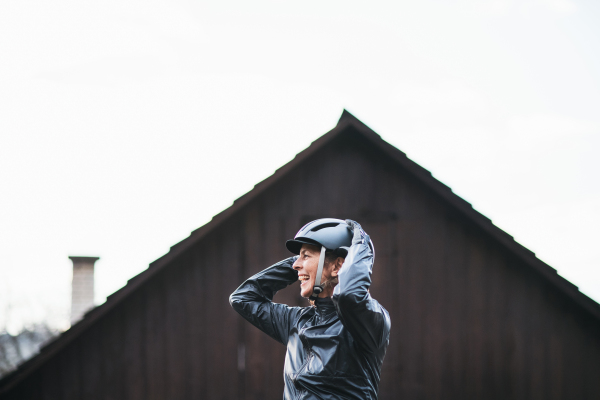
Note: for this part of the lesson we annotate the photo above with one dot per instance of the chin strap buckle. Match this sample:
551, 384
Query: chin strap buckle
318, 289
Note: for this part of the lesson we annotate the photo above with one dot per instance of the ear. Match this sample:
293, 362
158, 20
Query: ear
337, 266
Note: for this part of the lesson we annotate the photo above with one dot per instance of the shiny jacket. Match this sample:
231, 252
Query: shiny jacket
335, 349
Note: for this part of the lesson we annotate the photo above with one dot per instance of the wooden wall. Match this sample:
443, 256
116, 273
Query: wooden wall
469, 320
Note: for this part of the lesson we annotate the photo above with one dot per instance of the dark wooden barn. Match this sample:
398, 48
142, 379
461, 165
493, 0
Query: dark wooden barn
474, 314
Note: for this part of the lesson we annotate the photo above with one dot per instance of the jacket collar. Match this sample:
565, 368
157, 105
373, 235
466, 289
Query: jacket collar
324, 306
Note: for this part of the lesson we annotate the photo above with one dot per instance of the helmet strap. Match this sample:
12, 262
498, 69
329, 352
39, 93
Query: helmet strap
317, 289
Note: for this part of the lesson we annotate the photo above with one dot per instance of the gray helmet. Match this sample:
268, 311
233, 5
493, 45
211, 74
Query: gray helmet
330, 233
326, 233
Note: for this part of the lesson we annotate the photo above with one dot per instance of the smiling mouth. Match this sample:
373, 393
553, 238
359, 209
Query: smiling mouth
303, 279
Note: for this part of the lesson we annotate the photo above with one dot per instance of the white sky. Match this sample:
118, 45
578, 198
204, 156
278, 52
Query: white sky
126, 125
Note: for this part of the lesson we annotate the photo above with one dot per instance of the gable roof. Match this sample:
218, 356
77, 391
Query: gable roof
347, 123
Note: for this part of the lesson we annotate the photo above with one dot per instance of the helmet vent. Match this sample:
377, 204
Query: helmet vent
328, 225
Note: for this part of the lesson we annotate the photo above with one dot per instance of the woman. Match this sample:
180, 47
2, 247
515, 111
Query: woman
335, 347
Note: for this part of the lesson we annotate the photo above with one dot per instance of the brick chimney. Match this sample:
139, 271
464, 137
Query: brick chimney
82, 296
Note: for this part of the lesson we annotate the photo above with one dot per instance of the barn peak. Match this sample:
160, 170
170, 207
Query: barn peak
348, 118
346, 115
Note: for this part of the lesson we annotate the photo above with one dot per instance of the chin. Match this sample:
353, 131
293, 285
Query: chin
306, 292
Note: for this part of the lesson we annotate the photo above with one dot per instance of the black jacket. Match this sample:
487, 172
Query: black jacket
334, 350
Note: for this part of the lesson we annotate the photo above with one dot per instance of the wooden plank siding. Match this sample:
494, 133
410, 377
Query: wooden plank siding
470, 319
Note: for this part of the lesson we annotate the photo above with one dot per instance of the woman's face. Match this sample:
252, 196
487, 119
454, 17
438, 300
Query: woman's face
307, 265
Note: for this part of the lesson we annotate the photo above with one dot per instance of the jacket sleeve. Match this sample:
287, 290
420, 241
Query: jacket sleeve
253, 300
366, 320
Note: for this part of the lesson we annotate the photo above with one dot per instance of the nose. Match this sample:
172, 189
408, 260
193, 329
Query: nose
296, 265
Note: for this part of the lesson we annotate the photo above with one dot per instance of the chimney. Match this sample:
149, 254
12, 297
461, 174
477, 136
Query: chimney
82, 296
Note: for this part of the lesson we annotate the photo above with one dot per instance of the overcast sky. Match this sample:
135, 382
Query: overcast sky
126, 125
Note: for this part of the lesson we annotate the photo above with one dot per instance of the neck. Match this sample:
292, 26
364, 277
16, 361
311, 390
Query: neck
322, 303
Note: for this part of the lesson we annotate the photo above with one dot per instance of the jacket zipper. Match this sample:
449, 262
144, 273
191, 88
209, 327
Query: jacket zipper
309, 355
302, 368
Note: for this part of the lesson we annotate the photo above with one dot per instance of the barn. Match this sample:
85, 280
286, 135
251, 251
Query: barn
474, 314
